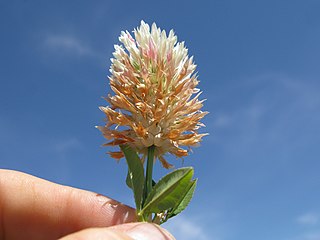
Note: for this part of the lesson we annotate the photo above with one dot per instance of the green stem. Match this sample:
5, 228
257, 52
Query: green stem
150, 161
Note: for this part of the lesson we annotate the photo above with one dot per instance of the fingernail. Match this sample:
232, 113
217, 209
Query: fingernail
147, 231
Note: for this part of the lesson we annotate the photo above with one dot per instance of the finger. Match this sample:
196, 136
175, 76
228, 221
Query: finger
32, 208
97, 234
130, 231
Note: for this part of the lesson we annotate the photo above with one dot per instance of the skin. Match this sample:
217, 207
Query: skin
33, 208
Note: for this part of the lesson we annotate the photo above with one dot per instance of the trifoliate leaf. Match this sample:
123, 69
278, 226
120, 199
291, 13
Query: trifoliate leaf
166, 194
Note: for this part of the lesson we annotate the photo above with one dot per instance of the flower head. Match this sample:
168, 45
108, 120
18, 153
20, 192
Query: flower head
155, 99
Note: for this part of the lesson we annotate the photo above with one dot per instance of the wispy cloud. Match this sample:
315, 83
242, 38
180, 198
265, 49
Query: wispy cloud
67, 44
63, 146
308, 219
270, 105
310, 235
185, 228
222, 120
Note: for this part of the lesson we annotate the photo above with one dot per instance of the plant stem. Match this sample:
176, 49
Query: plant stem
150, 160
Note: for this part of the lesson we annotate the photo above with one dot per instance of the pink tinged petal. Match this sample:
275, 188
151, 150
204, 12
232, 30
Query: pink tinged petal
151, 53
169, 56
130, 37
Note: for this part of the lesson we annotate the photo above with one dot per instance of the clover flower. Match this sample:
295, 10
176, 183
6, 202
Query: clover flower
155, 101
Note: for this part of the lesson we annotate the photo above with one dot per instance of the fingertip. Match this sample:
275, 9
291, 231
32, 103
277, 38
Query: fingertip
144, 231
129, 231
98, 234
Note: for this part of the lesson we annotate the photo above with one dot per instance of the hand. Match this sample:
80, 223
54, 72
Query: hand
32, 208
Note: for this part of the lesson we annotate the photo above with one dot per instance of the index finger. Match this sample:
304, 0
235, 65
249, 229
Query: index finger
32, 208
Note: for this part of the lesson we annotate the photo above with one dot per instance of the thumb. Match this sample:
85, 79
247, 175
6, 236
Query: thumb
130, 231
97, 234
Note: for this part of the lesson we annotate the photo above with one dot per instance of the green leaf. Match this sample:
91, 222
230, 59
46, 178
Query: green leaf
185, 199
128, 180
135, 177
167, 192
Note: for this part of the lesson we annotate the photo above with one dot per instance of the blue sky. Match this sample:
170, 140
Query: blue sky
258, 63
